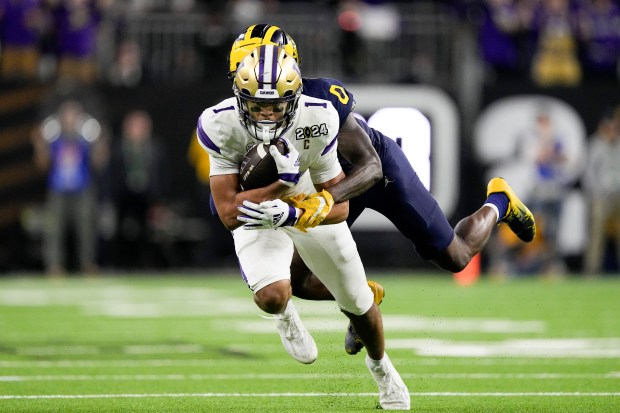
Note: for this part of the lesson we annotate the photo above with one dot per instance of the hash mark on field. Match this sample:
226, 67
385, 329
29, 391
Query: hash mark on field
207, 395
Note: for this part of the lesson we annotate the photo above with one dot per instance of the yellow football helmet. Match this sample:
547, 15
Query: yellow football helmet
259, 35
267, 76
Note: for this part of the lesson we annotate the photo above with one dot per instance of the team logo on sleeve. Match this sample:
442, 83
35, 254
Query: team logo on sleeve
313, 131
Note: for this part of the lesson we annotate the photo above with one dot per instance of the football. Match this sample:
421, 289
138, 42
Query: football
258, 168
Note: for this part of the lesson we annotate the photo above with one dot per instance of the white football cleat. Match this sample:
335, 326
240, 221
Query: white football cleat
393, 394
296, 340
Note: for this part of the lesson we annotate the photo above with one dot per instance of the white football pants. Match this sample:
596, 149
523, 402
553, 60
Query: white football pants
328, 250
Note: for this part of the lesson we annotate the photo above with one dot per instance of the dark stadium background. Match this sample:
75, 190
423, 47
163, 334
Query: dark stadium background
445, 31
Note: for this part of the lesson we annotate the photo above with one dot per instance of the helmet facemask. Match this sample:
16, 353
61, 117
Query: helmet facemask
266, 130
267, 86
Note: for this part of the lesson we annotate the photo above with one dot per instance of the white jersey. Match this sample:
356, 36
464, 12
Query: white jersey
313, 133
265, 255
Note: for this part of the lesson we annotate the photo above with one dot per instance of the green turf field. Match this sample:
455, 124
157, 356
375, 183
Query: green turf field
198, 344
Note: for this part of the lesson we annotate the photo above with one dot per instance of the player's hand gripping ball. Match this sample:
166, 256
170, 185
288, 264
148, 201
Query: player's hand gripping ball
258, 167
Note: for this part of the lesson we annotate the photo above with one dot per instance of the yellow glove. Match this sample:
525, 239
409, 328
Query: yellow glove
294, 200
315, 208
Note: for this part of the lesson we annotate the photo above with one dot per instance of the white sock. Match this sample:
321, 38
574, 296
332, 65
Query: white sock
289, 307
494, 207
372, 363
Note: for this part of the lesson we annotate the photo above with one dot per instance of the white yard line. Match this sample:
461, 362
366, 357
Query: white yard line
210, 395
273, 376
496, 361
69, 364
568, 348
12, 364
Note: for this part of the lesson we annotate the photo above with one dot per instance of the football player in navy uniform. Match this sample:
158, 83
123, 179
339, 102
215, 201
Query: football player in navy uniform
269, 105
379, 176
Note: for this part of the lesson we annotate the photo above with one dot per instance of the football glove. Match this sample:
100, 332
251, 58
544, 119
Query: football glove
288, 165
267, 214
315, 208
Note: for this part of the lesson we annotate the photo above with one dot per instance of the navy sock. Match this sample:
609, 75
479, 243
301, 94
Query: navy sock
500, 200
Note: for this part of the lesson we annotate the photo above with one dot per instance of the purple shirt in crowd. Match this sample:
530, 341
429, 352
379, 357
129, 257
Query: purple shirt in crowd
498, 48
76, 30
601, 36
17, 23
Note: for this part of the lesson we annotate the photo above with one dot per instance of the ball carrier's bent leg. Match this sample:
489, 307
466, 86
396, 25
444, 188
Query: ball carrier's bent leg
307, 286
264, 258
330, 252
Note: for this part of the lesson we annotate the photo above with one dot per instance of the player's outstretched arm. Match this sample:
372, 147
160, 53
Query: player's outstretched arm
355, 145
227, 197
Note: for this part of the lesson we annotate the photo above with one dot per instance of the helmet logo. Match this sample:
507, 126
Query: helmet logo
272, 93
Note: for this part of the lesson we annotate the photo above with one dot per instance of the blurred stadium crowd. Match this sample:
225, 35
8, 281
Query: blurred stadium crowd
128, 79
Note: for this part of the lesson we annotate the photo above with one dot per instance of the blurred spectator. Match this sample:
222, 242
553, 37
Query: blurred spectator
199, 159
213, 43
599, 35
69, 146
138, 185
351, 43
555, 61
544, 164
127, 69
21, 25
497, 37
76, 23
246, 12
182, 6
542, 146
602, 186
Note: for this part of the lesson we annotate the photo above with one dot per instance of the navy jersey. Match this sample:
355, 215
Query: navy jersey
342, 100
400, 196
332, 90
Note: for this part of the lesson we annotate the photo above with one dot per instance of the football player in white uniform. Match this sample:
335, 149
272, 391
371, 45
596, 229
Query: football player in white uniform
269, 104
